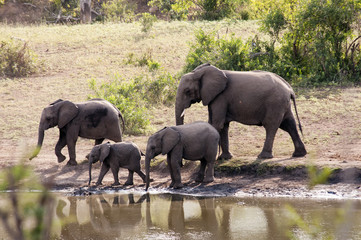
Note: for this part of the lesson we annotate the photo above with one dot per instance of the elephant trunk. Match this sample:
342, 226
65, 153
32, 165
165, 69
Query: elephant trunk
147, 171
90, 171
179, 112
40, 143
40, 136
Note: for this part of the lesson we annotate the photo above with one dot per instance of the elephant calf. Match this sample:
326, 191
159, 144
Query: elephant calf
125, 154
195, 141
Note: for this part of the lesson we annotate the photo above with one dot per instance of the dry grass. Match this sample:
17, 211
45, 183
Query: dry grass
74, 54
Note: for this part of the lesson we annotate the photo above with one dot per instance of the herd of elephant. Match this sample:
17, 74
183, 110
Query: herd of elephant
252, 98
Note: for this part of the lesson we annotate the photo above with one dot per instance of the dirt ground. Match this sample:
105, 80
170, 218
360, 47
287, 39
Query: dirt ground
277, 183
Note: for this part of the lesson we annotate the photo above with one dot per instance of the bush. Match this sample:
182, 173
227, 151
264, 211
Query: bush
228, 52
147, 20
145, 60
314, 46
119, 10
134, 98
17, 59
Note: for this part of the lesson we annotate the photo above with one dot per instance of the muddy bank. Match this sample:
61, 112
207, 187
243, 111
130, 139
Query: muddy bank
256, 179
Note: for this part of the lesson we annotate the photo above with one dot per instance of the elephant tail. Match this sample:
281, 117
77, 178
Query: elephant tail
293, 97
121, 117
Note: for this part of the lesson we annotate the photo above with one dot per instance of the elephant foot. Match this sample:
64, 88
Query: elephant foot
225, 156
61, 158
208, 180
299, 153
71, 163
128, 183
199, 178
178, 185
265, 155
98, 183
116, 184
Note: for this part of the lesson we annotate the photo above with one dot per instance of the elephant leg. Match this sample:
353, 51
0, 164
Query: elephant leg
268, 144
99, 141
224, 142
175, 160
60, 145
103, 171
289, 125
201, 171
209, 172
115, 176
71, 142
170, 170
130, 178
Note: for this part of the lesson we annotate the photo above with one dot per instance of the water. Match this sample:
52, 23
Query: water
170, 216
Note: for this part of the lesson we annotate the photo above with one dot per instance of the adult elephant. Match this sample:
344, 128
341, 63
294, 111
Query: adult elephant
252, 98
94, 119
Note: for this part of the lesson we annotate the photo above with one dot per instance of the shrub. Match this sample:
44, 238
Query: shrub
145, 60
215, 9
134, 97
119, 10
17, 59
314, 46
228, 52
147, 20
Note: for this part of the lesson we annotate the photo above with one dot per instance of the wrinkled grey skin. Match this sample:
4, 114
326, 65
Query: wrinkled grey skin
252, 98
195, 141
114, 156
94, 119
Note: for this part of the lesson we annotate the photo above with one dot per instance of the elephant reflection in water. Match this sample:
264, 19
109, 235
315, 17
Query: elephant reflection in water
114, 216
84, 217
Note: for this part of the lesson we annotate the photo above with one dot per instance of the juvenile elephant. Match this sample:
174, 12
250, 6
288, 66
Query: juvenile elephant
195, 141
114, 156
252, 98
94, 119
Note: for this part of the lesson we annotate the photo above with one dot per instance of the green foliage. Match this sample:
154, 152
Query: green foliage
21, 206
318, 176
17, 59
134, 97
215, 9
228, 52
119, 10
145, 60
273, 23
147, 20
314, 47
63, 8
174, 9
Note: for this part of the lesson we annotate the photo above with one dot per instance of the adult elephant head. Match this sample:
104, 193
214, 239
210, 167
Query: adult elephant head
204, 84
58, 113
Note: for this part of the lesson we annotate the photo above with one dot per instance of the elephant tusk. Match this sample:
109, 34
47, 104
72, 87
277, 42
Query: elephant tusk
182, 114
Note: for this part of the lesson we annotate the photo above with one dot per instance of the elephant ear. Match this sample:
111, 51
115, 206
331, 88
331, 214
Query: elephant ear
67, 112
213, 82
170, 138
104, 151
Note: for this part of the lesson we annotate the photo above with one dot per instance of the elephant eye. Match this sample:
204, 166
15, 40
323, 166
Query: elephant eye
187, 91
